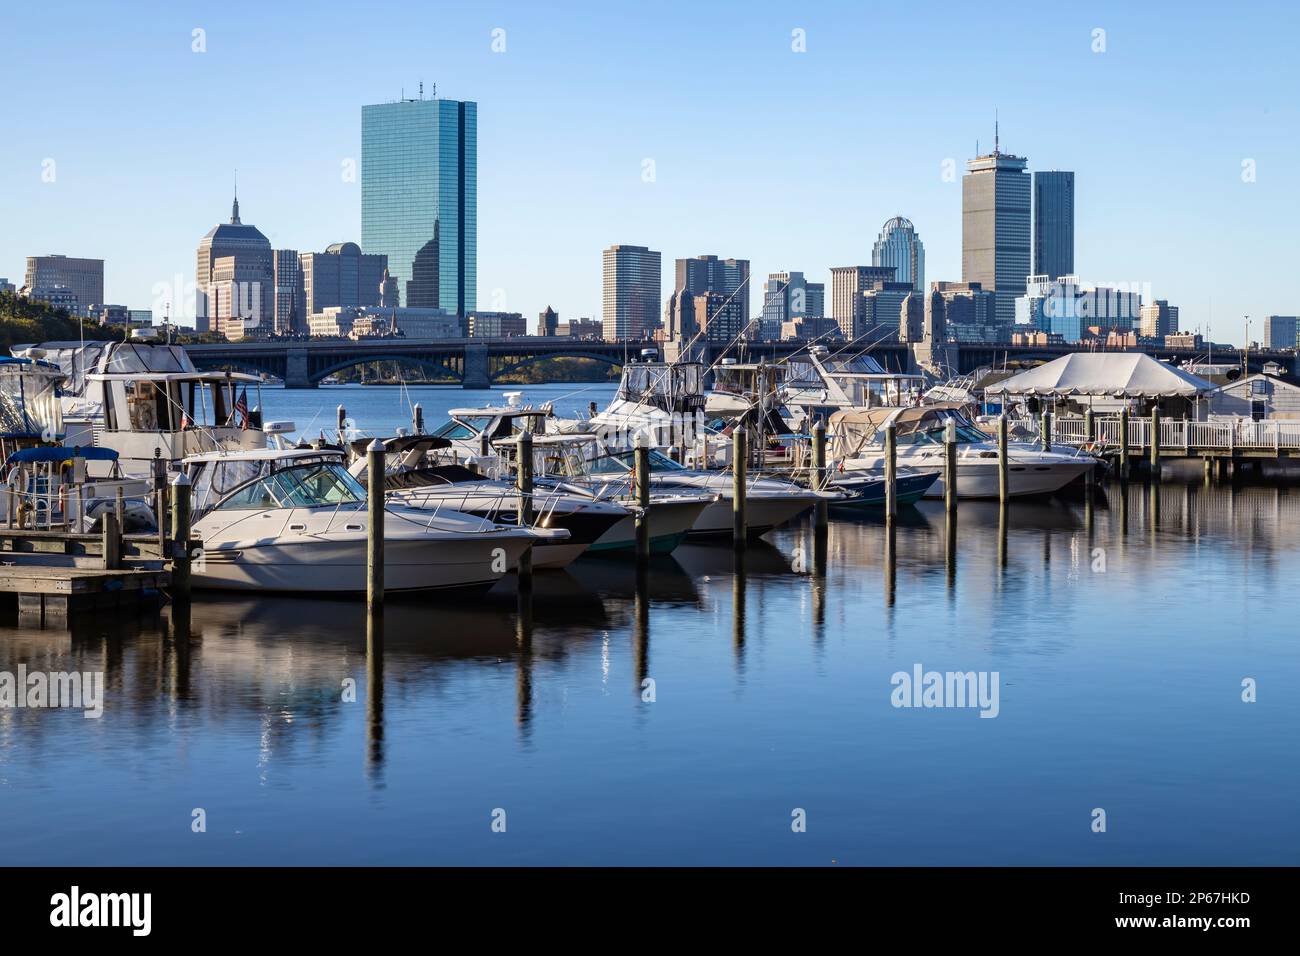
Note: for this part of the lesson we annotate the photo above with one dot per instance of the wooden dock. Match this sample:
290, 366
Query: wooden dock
1272, 439
54, 574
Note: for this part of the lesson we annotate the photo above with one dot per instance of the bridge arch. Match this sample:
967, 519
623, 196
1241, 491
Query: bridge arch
525, 361
251, 365
433, 365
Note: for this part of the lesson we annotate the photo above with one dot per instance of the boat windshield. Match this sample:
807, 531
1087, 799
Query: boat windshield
455, 431
620, 463
300, 486
966, 433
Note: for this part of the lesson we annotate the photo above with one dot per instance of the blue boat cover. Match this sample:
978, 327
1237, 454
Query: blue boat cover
60, 453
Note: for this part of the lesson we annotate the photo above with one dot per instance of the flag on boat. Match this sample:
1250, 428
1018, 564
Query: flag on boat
241, 408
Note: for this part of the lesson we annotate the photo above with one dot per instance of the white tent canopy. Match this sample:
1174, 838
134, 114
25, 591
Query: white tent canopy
1117, 374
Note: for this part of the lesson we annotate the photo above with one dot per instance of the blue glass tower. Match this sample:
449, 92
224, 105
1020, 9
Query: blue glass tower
419, 197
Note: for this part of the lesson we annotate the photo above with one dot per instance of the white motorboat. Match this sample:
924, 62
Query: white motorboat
294, 519
562, 463
414, 480
857, 443
820, 382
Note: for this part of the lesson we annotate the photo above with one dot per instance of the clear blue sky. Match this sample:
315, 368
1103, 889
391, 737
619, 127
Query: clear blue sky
793, 160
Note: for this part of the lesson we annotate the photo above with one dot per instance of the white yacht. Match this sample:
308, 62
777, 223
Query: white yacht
145, 400
294, 519
857, 443
413, 479
820, 382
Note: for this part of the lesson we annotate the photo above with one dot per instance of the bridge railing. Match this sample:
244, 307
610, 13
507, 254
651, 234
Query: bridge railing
1181, 435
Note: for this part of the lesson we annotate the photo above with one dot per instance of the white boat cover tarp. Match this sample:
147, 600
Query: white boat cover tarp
1119, 374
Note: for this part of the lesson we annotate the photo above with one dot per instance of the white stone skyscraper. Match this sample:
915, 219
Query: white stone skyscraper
900, 246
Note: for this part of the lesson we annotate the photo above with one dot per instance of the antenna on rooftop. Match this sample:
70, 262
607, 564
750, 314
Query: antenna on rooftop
996, 149
422, 89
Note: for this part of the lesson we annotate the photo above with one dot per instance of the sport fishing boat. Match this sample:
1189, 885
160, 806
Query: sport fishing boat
857, 443
413, 479
295, 520
561, 462
819, 383
470, 433
867, 490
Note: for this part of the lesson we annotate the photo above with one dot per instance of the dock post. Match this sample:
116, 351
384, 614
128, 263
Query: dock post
417, 418
112, 543
341, 417
891, 473
1123, 443
1004, 464
1089, 426
159, 500
1046, 430
1208, 468
739, 459
64, 501
375, 527
820, 513
181, 537
1155, 442
119, 507
641, 469
524, 483
950, 466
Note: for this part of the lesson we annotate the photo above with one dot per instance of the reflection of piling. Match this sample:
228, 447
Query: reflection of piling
641, 472
641, 626
374, 691
1004, 519
821, 512
891, 563
524, 657
181, 537
820, 548
1004, 462
950, 468
950, 549
891, 473
375, 530
739, 461
524, 483
738, 605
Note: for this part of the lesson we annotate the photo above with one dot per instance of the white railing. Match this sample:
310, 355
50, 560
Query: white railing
1181, 435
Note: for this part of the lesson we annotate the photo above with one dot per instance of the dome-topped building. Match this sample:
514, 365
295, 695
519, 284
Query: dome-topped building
900, 246
247, 278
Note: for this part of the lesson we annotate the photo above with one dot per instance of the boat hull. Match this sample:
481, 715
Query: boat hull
670, 522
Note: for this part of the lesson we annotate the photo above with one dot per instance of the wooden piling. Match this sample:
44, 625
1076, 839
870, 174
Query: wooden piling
1046, 430
1004, 462
641, 471
119, 507
950, 466
375, 527
1123, 443
181, 492
891, 472
821, 512
524, 484
1089, 426
1155, 442
417, 419
341, 420
739, 459
111, 536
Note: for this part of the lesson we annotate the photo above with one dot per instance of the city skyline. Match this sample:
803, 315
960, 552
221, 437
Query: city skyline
1205, 227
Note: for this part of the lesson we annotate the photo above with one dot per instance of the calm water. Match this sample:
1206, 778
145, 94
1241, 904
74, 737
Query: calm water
1120, 688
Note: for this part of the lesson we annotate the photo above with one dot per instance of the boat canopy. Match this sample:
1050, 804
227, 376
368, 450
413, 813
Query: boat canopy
853, 428
59, 453
30, 405
78, 360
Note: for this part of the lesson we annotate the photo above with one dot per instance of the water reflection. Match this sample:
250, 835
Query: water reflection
770, 668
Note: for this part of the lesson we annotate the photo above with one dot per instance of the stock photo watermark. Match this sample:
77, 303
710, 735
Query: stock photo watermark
41, 690
946, 689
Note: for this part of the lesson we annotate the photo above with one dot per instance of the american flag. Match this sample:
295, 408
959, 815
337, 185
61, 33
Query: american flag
241, 409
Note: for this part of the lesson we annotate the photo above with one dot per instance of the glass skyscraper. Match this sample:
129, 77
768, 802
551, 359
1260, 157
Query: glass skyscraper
419, 195
1053, 224
899, 246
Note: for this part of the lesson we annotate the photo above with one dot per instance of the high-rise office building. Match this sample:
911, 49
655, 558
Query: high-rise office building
342, 275
899, 246
631, 295
788, 297
1159, 319
290, 316
701, 274
848, 307
253, 263
969, 313
1280, 331
419, 198
1054, 223
1066, 307
995, 227
84, 278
